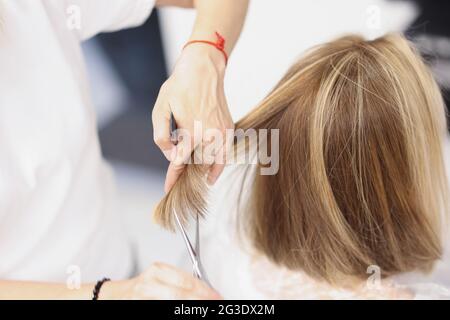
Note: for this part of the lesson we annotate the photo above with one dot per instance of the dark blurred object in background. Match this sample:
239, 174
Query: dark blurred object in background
138, 58
433, 18
431, 32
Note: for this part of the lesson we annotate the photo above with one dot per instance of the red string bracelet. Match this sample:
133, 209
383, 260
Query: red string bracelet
219, 45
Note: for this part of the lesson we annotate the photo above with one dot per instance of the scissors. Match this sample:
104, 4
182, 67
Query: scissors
194, 253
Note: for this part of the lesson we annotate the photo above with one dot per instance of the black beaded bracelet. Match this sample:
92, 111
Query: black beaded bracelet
97, 288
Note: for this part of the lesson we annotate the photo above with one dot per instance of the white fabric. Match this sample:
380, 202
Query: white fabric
56, 193
237, 272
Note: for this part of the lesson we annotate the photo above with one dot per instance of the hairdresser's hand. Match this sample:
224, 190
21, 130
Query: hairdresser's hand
159, 282
194, 92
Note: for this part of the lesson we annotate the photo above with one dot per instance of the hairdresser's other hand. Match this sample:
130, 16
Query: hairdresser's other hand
194, 92
159, 282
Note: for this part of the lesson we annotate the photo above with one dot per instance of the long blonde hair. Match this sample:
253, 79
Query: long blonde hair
361, 179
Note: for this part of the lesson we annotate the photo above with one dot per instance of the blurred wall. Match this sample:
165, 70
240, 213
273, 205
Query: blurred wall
277, 32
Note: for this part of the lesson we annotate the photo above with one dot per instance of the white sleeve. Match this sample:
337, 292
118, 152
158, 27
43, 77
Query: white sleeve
98, 16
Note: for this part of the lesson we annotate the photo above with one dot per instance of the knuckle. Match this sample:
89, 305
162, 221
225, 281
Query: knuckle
164, 87
155, 116
156, 265
178, 164
154, 112
159, 141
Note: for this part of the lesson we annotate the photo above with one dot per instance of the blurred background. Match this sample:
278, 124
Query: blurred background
127, 68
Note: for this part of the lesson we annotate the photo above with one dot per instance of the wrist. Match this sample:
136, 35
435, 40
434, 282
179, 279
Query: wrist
203, 54
219, 44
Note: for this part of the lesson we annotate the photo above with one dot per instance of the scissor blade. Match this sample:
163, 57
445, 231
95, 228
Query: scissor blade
196, 263
188, 243
197, 237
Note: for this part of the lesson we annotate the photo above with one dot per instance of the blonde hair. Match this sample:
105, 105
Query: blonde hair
361, 179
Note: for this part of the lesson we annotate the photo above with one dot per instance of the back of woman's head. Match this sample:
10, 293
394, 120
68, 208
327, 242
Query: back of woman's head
361, 179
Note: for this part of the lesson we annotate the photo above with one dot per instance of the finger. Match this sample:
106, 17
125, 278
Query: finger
170, 275
158, 290
217, 167
173, 173
187, 142
219, 162
182, 284
161, 128
183, 152
214, 173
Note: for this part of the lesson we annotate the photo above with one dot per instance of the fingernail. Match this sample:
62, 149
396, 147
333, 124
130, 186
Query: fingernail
170, 153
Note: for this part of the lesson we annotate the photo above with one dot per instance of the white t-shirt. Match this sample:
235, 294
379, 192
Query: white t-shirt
56, 193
